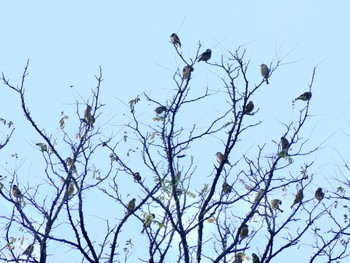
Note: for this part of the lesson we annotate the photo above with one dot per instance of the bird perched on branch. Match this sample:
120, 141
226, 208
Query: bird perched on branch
175, 40
29, 250
70, 191
243, 233
305, 96
71, 164
265, 71
147, 221
160, 109
275, 204
220, 158
16, 192
248, 108
137, 176
298, 198
130, 206
88, 118
255, 258
284, 145
258, 194
205, 56
319, 194
226, 188
186, 72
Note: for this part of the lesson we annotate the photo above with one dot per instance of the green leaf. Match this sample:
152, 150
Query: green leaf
62, 122
113, 157
42, 146
160, 119
133, 102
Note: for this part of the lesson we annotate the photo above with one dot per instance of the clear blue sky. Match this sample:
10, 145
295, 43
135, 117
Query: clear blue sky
66, 41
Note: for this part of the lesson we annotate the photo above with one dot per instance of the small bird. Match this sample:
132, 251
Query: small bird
298, 198
160, 109
71, 164
248, 108
205, 56
130, 206
220, 158
305, 96
226, 188
243, 233
255, 258
285, 145
29, 250
275, 204
16, 192
239, 257
319, 194
265, 71
137, 176
88, 118
186, 72
147, 221
175, 40
258, 194
70, 191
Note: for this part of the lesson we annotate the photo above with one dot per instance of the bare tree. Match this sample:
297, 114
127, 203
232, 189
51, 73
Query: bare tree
152, 194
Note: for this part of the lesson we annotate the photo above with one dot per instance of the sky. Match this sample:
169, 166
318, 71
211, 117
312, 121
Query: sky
67, 41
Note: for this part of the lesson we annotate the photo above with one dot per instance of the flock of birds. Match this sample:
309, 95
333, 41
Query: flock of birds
248, 109
149, 217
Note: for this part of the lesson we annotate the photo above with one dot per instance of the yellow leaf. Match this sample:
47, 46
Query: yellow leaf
211, 219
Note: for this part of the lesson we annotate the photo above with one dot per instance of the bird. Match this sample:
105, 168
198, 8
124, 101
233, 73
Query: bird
148, 219
88, 118
205, 56
239, 257
16, 192
137, 176
175, 40
319, 194
178, 176
275, 204
248, 108
186, 72
258, 194
243, 233
305, 96
255, 258
220, 158
71, 164
29, 250
226, 188
298, 198
160, 109
130, 206
70, 191
284, 144
265, 71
